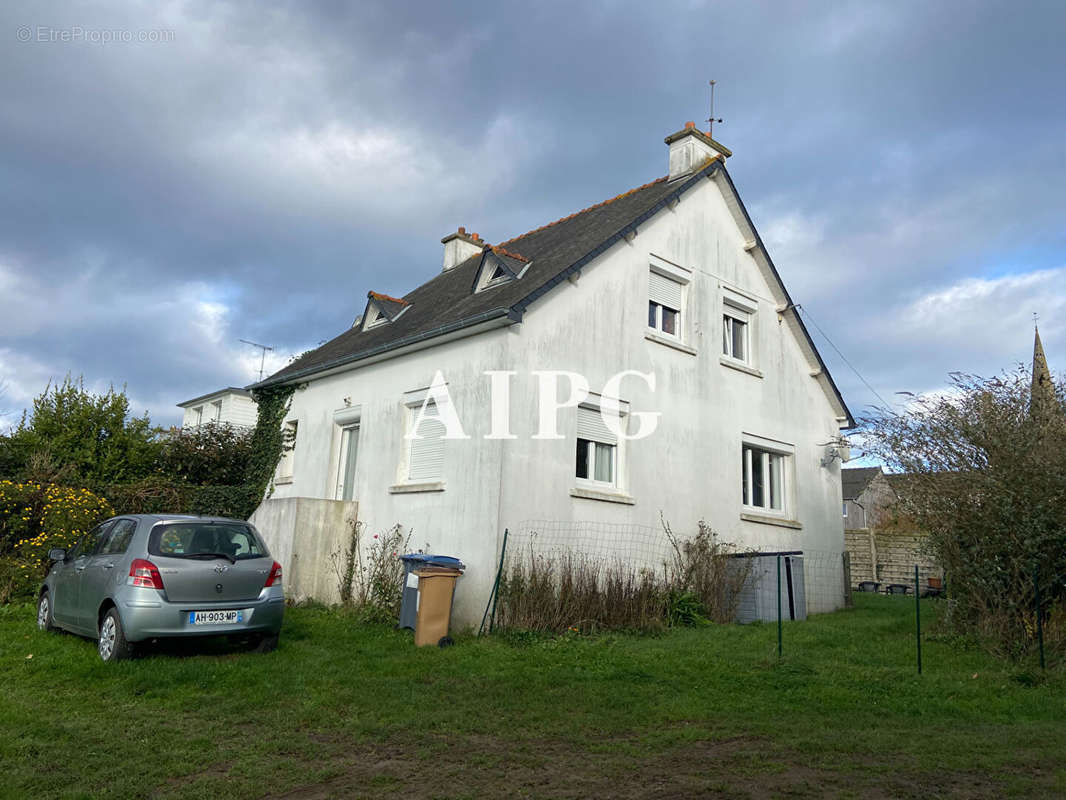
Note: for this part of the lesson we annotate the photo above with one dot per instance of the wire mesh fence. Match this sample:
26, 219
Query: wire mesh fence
561, 576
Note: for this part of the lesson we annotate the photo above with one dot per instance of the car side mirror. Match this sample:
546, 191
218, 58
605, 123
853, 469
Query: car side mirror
57, 554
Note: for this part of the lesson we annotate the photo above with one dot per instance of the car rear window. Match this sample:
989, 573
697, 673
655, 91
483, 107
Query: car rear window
188, 539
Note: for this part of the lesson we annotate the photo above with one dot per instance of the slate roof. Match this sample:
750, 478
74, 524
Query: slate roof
853, 480
447, 301
549, 254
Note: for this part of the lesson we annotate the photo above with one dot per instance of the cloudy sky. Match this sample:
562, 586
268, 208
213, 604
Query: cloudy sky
245, 170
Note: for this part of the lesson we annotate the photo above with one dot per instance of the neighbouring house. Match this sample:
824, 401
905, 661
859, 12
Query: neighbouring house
881, 546
232, 405
669, 280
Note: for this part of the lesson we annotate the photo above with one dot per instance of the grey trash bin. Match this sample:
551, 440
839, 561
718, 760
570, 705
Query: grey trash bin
409, 601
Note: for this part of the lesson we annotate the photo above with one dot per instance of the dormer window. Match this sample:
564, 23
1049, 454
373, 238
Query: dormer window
380, 309
498, 267
374, 319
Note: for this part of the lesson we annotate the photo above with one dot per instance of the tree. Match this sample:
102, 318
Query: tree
92, 436
986, 479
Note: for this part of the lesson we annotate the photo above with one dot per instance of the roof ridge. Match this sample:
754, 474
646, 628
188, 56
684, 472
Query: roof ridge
500, 251
380, 296
584, 210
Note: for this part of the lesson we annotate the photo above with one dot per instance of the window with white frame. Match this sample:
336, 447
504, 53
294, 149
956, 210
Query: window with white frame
597, 449
348, 460
199, 411
665, 298
736, 333
764, 478
374, 318
425, 456
288, 441
216, 411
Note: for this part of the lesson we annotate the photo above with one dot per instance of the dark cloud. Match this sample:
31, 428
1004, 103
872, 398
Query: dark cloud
254, 175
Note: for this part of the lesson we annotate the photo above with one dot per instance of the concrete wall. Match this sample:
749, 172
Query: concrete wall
690, 469
302, 534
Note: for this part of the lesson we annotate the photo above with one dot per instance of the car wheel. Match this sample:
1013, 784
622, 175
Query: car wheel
44, 613
267, 643
112, 645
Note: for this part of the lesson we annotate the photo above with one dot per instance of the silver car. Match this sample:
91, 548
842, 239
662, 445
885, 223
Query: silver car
147, 576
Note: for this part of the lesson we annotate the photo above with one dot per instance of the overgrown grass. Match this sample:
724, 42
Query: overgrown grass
348, 710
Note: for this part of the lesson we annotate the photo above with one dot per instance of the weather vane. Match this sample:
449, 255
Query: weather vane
711, 120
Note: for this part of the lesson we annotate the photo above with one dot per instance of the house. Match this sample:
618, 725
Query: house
882, 546
231, 405
868, 497
660, 301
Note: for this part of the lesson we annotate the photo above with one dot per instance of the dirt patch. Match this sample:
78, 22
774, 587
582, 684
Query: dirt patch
480, 766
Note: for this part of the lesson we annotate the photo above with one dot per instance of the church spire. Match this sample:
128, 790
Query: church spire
1042, 393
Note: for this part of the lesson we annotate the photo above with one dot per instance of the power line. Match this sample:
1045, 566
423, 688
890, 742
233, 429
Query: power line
865, 383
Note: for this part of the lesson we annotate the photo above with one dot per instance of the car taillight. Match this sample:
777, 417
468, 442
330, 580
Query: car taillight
145, 573
275, 575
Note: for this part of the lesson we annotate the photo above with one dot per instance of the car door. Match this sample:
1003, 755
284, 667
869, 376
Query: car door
80, 560
67, 576
101, 573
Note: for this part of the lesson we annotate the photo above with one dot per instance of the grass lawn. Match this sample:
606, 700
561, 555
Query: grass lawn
350, 711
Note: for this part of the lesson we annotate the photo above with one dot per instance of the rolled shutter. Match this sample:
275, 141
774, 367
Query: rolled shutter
427, 453
664, 291
590, 426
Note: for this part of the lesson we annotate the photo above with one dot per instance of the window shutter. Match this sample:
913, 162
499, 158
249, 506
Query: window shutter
427, 453
664, 291
590, 426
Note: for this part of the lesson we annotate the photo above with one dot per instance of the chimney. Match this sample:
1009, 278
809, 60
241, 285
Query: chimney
460, 246
690, 148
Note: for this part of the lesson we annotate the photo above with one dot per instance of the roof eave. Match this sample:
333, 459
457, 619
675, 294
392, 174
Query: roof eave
469, 326
790, 306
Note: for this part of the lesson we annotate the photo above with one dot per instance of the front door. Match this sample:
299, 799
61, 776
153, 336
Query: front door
99, 577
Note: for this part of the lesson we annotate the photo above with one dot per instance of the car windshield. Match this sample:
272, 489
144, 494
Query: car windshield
229, 540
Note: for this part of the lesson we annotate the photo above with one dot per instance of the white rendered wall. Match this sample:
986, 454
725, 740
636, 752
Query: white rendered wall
690, 469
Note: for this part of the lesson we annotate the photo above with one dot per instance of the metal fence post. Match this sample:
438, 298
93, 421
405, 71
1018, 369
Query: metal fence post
917, 619
495, 590
1039, 616
779, 642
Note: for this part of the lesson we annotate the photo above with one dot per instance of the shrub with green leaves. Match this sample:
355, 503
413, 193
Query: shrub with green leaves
985, 478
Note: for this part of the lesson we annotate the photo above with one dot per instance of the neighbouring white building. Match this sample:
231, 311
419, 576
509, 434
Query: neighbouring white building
670, 279
231, 405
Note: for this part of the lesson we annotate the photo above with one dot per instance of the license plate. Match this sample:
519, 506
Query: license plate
215, 617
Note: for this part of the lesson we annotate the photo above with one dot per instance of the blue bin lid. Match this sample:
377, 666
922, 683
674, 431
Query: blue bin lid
430, 560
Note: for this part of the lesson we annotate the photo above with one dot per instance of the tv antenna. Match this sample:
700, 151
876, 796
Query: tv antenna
262, 358
711, 120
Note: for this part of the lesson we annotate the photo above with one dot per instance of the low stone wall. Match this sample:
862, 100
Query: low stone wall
302, 533
888, 556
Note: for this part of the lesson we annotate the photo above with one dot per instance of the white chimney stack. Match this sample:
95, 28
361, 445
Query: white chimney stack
460, 246
690, 148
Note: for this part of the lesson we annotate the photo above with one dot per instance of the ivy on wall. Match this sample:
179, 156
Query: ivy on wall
269, 441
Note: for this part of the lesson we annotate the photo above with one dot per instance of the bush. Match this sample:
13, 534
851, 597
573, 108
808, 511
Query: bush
213, 454
34, 518
700, 582
985, 478
159, 495
370, 575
